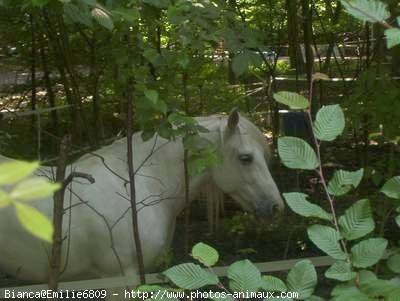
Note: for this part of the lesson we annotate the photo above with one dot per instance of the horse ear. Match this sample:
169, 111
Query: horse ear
233, 119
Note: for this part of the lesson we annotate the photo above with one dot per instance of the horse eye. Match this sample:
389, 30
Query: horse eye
246, 158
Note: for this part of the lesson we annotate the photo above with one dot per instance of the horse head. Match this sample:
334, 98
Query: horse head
244, 173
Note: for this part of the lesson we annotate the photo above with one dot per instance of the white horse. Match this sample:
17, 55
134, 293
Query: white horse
97, 210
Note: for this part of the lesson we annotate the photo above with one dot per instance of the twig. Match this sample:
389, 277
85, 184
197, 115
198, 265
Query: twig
58, 212
320, 171
131, 171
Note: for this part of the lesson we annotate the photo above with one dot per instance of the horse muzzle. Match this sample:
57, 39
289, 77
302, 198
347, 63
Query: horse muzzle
269, 209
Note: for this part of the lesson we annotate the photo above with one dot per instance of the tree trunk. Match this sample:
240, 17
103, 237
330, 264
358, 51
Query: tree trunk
94, 79
48, 84
33, 70
335, 17
307, 31
295, 57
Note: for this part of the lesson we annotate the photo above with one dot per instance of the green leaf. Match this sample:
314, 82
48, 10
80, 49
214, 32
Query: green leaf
293, 100
34, 221
273, 284
378, 287
298, 203
244, 276
130, 15
147, 134
326, 239
391, 188
152, 55
315, 298
102, 17
241, 62
343, 181
368, 252
395, 294
156, 103
34, 188
184, 62
151, 95
295, 153
367, 10
88, 2
357, 220
157, 3
181, 120
165, 130
206, 254
75, 14
340, 270
302, 278
329, 123
394, 263
39, 3
366, 276
203, 159
5, 199
12, 172
190, 276
196, 142
397, 219
348, 292
392, 37
344, 289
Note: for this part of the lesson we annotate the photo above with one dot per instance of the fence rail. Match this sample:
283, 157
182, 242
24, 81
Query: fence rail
131, 281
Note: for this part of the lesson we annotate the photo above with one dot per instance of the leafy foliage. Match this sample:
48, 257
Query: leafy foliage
354, 224
292, 100
34, 221
394, 263
299, 204
327, 239
28, 189
367, 10
190, 276
13, 172
374, 11
343, 181
302, 278
368, 252
357, 220
273, 284
156, 38
392, 37
340, 270
392, 188
329, 123
244, 276
205, 254
296, 153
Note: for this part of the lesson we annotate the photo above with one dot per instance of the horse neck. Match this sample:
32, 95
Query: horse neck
214, 126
